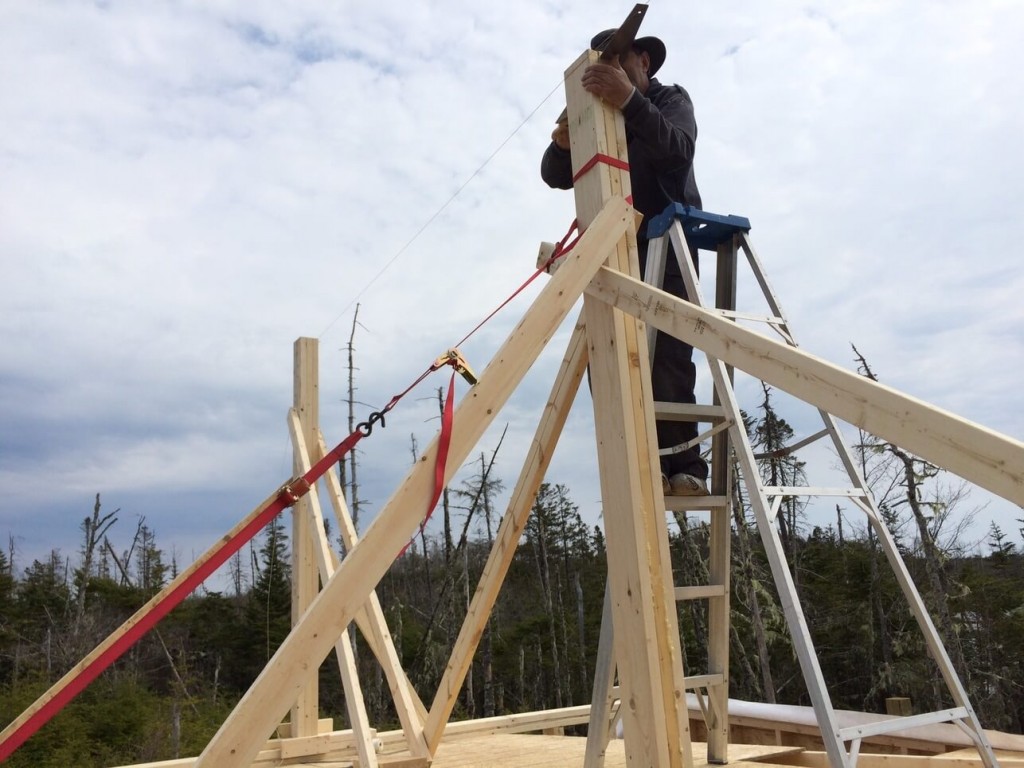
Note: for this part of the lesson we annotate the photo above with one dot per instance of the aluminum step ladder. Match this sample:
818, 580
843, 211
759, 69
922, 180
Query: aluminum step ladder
683, 227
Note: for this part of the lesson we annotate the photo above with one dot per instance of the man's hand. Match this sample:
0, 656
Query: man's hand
608, 82
561, 136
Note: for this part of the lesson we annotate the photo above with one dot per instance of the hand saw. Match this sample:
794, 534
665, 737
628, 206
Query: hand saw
618, 43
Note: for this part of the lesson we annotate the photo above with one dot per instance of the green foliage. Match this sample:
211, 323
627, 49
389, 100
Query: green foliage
267, 617
168, 695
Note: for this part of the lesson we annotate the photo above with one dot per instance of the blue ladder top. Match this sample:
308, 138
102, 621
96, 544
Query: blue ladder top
703, 229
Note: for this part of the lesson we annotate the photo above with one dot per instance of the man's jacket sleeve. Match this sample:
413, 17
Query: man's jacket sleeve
667, 129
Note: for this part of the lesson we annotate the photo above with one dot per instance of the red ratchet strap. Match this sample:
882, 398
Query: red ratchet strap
560, 247
614, 162
441, 462
515, 293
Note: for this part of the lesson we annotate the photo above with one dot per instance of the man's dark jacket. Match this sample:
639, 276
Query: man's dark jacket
661, 133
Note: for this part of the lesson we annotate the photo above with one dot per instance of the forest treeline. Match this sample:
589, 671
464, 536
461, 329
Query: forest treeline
166, 697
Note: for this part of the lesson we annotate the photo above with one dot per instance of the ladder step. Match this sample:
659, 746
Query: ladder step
697, 503
701, 592
712, 414
903, 723
732, 314
799, 490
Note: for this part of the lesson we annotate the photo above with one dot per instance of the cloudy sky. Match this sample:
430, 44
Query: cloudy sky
186, 188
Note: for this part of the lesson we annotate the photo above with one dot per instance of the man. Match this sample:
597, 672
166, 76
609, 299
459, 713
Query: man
661, 135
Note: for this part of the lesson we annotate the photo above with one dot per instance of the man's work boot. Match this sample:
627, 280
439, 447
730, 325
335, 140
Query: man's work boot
685, 485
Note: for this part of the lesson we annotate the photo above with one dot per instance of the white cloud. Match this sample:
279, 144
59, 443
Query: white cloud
187, 188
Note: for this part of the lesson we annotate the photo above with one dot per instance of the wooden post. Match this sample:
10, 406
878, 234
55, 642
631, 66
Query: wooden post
305, 573
646, 634
898, 706
327, 564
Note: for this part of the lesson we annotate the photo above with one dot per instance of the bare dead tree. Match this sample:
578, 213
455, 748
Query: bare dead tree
414, 449
445, 498
350, 460
542, 561
487, 652
94, 528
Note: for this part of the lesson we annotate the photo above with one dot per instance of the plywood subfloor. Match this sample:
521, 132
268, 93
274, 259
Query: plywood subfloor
535, 751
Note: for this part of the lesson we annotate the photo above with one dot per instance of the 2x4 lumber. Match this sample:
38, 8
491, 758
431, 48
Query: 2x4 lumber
602, 696
981, 455
325, 725
371, 622
327, 563
308, 746
510, 531
305, 579
519, 723
260, 708
330, 742
523, 722
646, 637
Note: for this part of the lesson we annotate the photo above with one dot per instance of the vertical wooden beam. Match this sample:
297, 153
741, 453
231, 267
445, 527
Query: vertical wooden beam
646, 634
305, 574
327, 564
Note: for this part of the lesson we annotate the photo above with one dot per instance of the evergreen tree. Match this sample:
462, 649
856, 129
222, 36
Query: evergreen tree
151, 573
268, 611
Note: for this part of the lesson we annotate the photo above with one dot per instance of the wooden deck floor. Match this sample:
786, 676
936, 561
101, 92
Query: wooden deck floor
536, 751
508, 750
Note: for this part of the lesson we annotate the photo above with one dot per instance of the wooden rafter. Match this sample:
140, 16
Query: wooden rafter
978, 454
